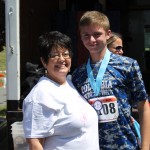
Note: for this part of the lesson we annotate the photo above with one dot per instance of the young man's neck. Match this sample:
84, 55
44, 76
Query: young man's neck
97, 57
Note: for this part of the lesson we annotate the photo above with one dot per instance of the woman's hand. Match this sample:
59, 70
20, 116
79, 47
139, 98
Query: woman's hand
35, 144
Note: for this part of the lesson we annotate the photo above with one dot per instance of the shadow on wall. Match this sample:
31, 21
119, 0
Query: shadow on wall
146, 72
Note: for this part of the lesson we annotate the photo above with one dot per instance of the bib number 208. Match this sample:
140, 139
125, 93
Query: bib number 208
106, 107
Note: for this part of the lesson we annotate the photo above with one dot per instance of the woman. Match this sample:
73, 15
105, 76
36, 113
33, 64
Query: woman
56, 116
115, 44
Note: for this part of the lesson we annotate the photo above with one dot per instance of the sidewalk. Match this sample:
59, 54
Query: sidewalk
3, 123
3, 98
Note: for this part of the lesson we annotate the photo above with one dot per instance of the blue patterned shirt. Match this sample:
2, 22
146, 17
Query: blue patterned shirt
122, 79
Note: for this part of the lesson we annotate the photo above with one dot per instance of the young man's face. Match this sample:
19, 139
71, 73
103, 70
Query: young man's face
94, 38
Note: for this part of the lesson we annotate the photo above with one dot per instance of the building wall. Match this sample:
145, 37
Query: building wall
136, 23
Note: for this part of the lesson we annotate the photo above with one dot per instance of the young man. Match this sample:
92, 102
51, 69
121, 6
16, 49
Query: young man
109, 82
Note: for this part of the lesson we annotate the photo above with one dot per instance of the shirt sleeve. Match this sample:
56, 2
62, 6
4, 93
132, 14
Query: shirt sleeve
38, 120
137, 85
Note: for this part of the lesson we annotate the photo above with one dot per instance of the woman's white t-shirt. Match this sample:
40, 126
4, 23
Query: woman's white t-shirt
61, 115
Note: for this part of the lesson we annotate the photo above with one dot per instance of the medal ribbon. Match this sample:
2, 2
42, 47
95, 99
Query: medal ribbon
96, 84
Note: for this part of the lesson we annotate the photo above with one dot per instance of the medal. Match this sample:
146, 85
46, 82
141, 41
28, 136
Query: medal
96, 84
97, 105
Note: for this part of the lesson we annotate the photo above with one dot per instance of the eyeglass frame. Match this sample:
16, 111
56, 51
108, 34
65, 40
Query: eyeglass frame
118, 48
57, 55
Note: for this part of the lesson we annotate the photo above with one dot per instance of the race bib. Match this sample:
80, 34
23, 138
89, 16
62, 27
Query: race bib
106, 107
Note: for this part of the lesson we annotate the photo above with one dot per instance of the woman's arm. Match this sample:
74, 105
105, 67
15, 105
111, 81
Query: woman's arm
144, 113
35, 144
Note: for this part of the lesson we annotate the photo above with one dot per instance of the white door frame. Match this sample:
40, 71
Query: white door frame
12, 22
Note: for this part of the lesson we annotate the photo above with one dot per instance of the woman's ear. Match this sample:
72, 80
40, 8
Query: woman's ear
43, 62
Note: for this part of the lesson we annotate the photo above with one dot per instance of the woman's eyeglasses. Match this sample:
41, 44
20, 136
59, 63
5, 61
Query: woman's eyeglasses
118, 48
55, 55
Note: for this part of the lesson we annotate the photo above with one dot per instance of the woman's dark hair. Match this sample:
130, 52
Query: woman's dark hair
53, 39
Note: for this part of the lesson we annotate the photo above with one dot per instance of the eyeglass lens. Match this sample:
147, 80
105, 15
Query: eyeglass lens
56, 55
118, 48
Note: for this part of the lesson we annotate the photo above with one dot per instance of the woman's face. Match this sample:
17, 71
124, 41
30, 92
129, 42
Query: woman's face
59, 64
116, 47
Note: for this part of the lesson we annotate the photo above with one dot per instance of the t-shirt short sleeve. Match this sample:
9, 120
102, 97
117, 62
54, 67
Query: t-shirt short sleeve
137, 85
38, 120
